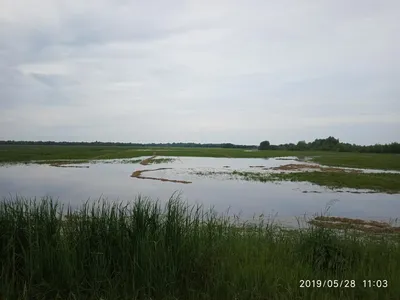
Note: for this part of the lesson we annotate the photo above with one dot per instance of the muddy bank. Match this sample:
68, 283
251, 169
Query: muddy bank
164, 179
357, 224
138, 174
60, 165
146, 161
154, 160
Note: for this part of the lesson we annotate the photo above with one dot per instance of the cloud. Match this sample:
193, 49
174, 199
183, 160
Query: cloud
199, 71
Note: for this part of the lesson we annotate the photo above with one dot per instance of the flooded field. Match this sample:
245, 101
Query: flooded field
207, 181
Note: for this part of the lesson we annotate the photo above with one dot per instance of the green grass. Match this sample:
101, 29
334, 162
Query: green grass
360, 160
148, 251
17, 153
378, 182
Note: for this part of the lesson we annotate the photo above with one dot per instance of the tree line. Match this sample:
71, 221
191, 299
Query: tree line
120, 144
332, 144
327, 144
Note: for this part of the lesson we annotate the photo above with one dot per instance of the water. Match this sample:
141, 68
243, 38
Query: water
112, 181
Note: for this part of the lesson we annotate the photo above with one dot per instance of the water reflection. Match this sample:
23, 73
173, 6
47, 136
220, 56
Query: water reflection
113, 181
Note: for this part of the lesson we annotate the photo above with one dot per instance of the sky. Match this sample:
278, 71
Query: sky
200, 71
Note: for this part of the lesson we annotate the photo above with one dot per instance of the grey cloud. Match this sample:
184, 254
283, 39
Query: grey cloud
54, 81
202, 71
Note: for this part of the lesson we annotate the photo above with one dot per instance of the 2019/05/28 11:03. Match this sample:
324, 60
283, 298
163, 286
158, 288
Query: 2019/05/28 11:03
343, 283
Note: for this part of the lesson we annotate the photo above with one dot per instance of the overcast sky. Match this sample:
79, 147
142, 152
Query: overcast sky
201, 71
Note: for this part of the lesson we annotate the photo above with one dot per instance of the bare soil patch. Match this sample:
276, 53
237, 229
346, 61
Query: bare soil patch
146, 161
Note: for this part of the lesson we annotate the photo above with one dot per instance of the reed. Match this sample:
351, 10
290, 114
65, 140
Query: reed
172, 250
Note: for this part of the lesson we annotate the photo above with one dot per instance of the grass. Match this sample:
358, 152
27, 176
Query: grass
378, 182
148, 251
387, 183
20, 153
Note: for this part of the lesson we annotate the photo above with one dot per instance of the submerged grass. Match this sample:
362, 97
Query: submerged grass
161, 160
144, 250
20, 153
299, 167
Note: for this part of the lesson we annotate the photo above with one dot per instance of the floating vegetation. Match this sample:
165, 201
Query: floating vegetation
357, 224
208, 173
130, 161
286, 158
67, 163
60, 162
295, 167
257, 166
301, 167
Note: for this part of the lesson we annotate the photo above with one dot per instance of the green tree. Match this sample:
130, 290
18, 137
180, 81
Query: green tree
302, 145
264, 145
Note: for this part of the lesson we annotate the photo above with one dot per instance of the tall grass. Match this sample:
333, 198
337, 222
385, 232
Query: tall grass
145, 250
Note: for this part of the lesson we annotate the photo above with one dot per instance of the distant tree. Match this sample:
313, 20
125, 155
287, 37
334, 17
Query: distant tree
228, 145
301, 145
264, 145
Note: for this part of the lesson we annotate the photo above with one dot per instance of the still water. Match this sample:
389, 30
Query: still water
111, 180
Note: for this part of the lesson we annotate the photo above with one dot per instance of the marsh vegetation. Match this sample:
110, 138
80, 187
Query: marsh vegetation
28, 153
376, 182
145, 250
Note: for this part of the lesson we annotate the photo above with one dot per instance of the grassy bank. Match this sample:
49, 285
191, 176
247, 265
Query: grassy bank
145, 251
385, 183
378, 182
14, 153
